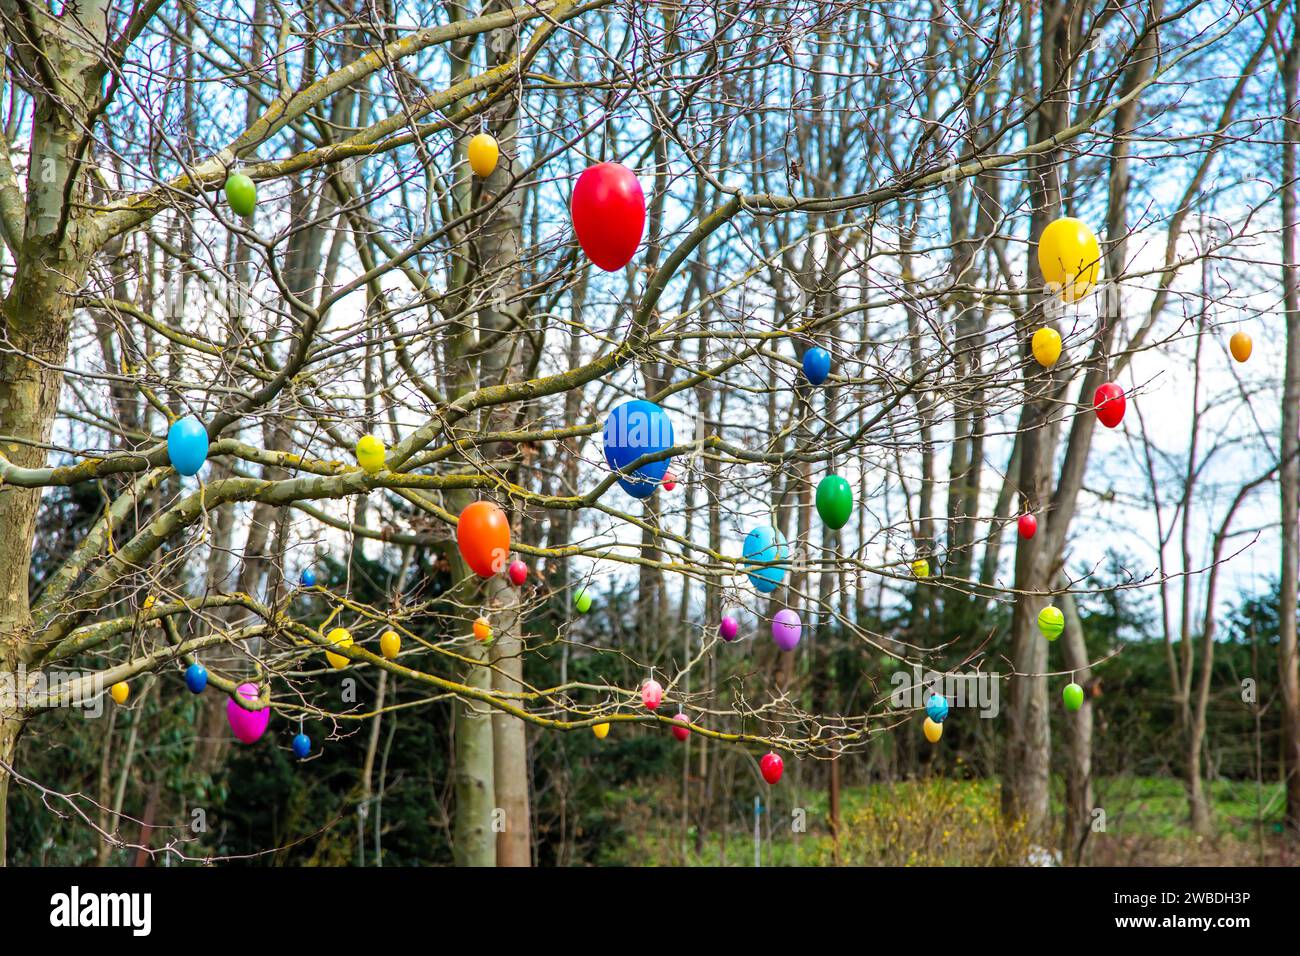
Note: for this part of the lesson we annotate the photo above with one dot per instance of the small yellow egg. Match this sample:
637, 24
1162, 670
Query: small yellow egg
933, 731
150, 601
389, 644
339, 637
600, 730
1241, 346
371, 454
120, 691
921, 568
483, 154
1046, 346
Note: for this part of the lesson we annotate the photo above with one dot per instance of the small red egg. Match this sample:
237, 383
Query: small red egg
682, 732
1028, 526
652, 693
670, 481
1109, 402
518, 572
771, 766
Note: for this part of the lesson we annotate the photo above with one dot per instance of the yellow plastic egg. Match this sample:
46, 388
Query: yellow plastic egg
370, 454
483, 154
482, 629
120, 691
600, 730
1046, 346
933, 731
339, 637
389, 644
1241, 346
150, 601
921, 568
1069, 257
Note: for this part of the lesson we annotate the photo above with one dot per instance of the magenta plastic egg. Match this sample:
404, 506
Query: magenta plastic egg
247, 725
786, 629
728, 629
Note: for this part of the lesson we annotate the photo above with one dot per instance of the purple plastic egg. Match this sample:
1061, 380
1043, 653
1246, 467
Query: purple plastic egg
786, 629
248, 725
728, 628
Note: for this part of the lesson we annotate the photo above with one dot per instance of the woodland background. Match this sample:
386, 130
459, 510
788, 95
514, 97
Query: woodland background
869, 177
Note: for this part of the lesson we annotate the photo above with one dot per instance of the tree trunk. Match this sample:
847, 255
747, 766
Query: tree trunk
1290, 471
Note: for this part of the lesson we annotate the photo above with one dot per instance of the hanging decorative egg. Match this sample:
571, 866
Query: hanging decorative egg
728, 629
390, 642
933, 730
483, 536
834, 501
600, 730
608, 211
339, 637
120, 691
1046, 346
652, 694
302, 746
771, 766
1109, 402
1240, 345
371, 454
308, 578
482, 630
518, 572
582, 600
1051, 622
241, 194
1072, 696
196, 678
936, 708
1069, 257
766, 546
786, 629
483, 153
681, 732
1028, 526
187, 445
247, 725
816, 365
633, 430
670, 481
921, 568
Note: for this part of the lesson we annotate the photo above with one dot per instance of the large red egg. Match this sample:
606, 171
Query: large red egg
1109, 402
608, 210
771, 766
1028, 526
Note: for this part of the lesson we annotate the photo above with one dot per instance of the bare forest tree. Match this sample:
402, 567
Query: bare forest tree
867, 178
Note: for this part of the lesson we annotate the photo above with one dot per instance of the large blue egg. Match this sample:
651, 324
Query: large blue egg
196, 678
816, 364
308, 578
766, 545
937, 708
301, 746
187, 445
633, 430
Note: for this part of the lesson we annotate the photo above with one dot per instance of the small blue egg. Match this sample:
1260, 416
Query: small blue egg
308, 578
937, 708
196, 678
301, 746
816, 364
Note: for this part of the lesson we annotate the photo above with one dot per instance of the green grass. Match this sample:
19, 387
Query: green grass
958, 822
